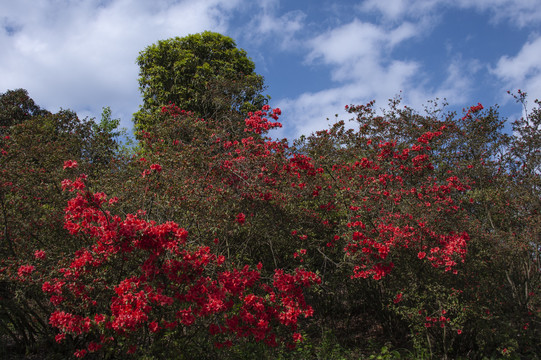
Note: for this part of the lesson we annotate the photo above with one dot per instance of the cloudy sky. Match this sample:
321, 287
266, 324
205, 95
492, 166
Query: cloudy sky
316, 56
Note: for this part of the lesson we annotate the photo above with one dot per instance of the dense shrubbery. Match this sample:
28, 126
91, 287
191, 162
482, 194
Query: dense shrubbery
401, 234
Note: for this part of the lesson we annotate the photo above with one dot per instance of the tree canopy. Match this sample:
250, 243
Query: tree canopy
204, 73
15, 107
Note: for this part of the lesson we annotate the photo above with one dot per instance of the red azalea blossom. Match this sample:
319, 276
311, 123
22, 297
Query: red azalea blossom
241, 218
39, 254
80, 353
135, 298
25, 270
59, 337
153, 326
93, 347
145, 173
70, 164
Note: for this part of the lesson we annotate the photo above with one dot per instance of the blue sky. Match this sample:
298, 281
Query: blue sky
316, 56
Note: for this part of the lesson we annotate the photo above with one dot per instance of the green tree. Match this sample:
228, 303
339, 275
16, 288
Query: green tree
107, 124
16, 107
204, 73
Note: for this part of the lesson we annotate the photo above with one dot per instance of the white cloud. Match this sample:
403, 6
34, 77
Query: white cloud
81, 54
350, 41
520, 67
397, 9
519, 13
283, 27
358, 55
357, 51
360, 58
391, 9
457, 86
522, 71
269, 25
308, 112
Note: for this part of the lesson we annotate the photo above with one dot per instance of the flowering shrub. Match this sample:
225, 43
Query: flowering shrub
139, 276
417, 229
371, 209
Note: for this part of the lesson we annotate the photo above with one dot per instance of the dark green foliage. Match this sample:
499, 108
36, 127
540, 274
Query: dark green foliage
16, 107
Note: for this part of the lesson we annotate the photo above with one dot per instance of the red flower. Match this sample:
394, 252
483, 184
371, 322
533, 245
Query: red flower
25, 270
92, 347
241, 218
421, 255
156, 167
145, 172
39, 254
99, 318
80, 353
70, 164
153, 326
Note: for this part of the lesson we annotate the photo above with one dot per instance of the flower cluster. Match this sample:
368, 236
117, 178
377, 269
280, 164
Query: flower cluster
25, 270
70, 164
258, 122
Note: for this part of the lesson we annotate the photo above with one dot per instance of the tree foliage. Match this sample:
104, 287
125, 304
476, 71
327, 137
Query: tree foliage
204, 73
16, 107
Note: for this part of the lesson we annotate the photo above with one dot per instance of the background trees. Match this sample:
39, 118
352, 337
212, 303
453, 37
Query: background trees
16, 106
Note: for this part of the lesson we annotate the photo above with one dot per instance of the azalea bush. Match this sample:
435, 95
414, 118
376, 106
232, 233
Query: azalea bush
396, 230
258, 201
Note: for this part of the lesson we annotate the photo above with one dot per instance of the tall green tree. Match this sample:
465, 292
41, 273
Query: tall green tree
204, 73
